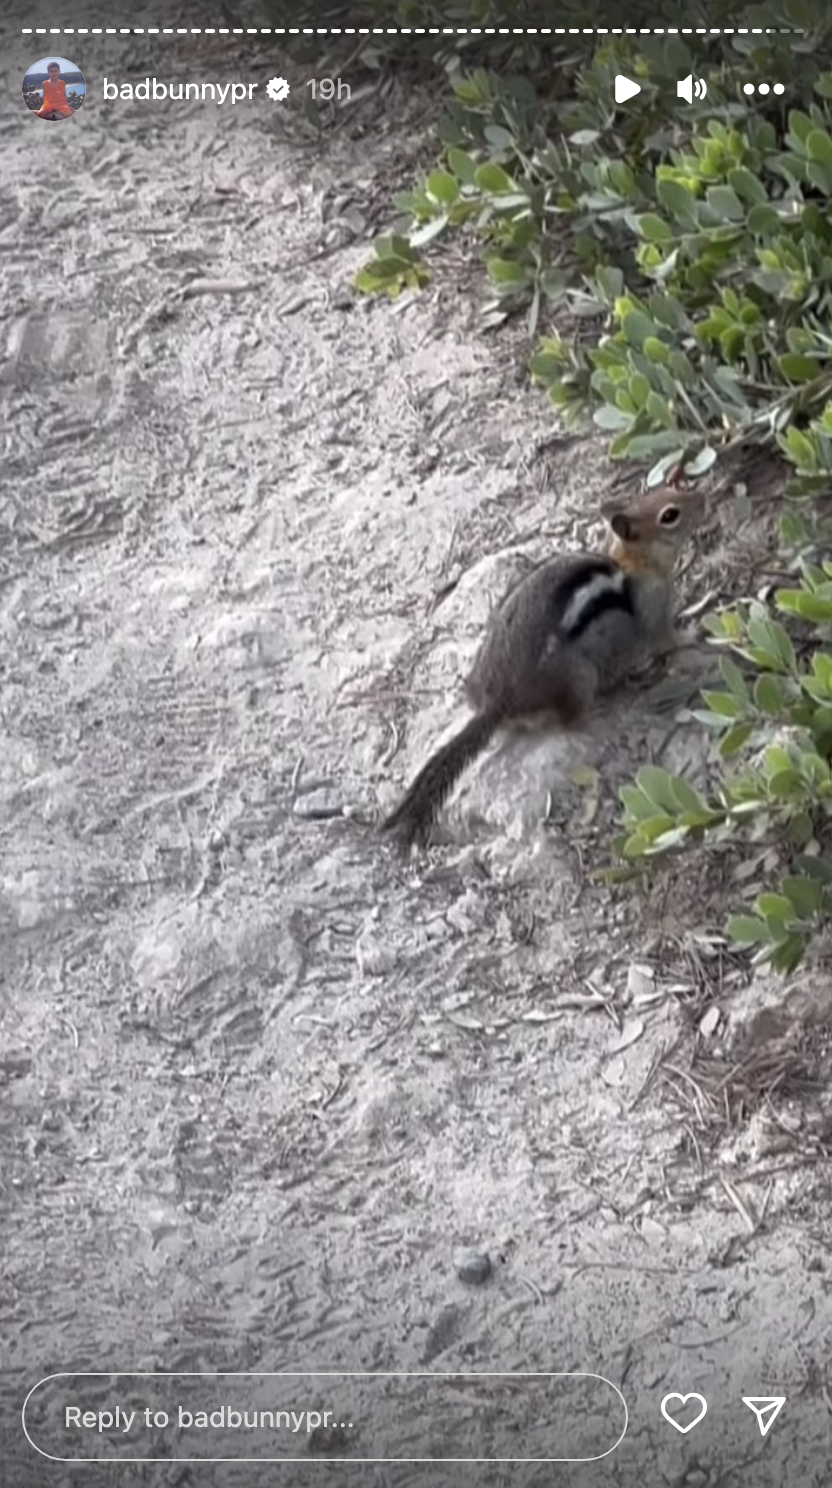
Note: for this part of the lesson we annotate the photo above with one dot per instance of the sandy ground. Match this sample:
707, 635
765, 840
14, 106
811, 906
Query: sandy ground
261, 1081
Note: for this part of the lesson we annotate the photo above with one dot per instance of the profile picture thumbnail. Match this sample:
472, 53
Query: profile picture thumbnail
54, 88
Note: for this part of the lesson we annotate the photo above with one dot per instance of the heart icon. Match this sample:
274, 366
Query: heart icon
668, 1403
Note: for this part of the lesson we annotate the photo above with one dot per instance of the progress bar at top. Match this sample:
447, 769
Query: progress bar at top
411, 31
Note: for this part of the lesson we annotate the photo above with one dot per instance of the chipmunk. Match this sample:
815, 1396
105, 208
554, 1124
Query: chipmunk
565, 634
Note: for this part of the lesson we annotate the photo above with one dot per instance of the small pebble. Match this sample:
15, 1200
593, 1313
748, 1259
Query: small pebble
472, 1266
374, 959
319, 805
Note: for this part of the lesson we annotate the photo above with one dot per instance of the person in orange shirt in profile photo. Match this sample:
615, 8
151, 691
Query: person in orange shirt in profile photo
55, 105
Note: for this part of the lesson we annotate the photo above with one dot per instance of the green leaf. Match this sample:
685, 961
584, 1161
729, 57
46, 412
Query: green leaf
710, 720
787, 954
611, 418
763, 220
637, 327
747, 930
492, 178
672, 838
653, 228
725, 203
783, 642
763, 637
553, 283
819, 173
786, 785
686, 797
801, 829
390, 275
815, 770
500, 138
421, 236
734, 679
636, 803
769, 695
799, 448
777, 758
633, 847
396, 246
822, 669
747, 185
800, 125
658, 351
658, 410
731, 743
657, 785
725, 624
723, 704
796, 368
443, 186
776, 909
819, 146
610, 282
639, 389
679, 201
650, 831
807, 606
668, 312
463, 166
805, 895
646, 446
765, 660
507, 271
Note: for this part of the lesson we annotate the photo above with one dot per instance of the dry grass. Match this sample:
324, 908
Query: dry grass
720, 1086
721, 1093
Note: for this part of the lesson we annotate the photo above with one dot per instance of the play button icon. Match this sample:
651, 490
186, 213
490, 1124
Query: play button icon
625, 88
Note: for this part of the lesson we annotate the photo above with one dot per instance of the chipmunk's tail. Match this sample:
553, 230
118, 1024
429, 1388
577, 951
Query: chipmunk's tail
413, 817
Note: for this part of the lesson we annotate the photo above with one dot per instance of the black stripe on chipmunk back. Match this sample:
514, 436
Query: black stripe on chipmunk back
598, 586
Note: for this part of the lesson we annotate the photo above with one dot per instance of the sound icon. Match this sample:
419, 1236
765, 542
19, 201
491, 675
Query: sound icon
689, 89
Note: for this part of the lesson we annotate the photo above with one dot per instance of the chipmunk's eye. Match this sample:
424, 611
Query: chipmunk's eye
669, 516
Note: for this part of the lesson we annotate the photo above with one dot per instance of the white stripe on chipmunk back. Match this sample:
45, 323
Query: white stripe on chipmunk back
587, 593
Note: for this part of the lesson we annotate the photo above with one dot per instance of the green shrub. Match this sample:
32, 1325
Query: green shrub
776, 711
690, 254
697, 268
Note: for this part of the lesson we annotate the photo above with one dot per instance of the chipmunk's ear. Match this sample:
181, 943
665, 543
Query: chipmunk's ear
620, 523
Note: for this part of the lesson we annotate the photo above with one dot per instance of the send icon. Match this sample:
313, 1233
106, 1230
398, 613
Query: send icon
766, 1408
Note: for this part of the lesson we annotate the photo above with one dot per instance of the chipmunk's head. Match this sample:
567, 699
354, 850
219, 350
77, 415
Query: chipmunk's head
647, 531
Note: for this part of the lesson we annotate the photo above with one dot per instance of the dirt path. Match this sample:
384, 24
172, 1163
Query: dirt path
259, 1081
